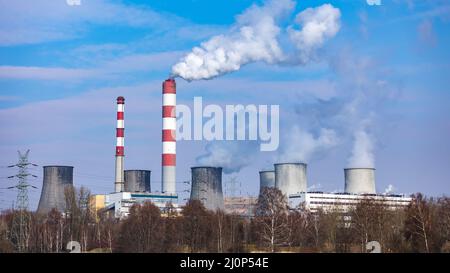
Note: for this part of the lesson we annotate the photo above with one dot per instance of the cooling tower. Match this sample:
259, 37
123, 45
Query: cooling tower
137, 180
360, 180
56, 178
207, 186
266, 179
290, 178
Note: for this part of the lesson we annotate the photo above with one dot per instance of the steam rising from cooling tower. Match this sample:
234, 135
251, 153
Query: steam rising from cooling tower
137, 181
362, 152
232, 156
301, 146
56, 179
207, 186
360, 180
256, 36
290, 178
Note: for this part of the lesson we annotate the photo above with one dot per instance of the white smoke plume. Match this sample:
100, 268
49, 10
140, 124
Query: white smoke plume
390, 189
362, 152
255, 37
232, 156
301, 146
318, 25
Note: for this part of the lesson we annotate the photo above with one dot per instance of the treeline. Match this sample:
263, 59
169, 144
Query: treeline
424, 226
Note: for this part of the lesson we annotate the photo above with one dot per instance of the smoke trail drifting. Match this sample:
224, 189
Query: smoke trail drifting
255, 37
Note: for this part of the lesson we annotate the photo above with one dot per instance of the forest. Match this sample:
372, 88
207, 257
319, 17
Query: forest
423, 226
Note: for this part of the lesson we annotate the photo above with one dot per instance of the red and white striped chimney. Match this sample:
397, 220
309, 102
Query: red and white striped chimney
119, 183
168, 174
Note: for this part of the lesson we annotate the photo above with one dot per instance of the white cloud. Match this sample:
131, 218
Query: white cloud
28, 22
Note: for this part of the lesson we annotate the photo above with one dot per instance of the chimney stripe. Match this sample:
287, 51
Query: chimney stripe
168, 135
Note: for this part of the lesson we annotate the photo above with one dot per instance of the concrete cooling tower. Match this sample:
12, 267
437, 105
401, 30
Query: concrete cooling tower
290, 178
266, 179
360, 180
137, 181
56, 179
207, 186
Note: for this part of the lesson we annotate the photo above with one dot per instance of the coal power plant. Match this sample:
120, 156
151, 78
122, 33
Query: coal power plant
290, 178
56, 179
137, 181
360, 180
266, 179
133, 186
207, 187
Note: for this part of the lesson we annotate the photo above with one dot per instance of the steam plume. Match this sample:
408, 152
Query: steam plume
301, 145
362, 152
255, 37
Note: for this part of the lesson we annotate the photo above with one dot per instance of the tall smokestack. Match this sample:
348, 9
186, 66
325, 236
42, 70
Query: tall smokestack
119, 183
168, 174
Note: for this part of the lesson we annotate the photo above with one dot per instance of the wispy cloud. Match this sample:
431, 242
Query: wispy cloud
29, 22
105, 69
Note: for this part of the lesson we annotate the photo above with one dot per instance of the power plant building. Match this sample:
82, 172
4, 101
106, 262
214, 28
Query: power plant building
343, 202
121, 202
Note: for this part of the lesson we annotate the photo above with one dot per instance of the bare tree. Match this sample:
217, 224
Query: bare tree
418, 224
197, 228
271, 215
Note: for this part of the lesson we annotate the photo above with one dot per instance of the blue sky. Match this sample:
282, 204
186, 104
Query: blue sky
61, 68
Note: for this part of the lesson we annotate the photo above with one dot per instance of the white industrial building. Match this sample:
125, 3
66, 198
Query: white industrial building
343, 202
121, 202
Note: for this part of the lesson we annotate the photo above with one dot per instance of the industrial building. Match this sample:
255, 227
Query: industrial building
291, 180
120, 202
134, 186
343, 202
242, 206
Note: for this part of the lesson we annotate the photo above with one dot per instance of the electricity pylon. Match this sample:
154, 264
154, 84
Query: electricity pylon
21, 216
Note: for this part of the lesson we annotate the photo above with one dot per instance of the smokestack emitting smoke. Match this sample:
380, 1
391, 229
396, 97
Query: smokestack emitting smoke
168, 174
119, 183
255, 37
